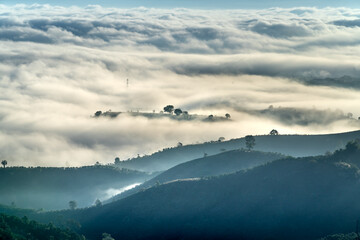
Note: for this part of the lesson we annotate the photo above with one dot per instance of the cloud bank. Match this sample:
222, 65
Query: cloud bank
59, 65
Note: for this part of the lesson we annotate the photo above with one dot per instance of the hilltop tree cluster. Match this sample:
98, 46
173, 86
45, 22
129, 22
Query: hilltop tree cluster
171, 109
178, 111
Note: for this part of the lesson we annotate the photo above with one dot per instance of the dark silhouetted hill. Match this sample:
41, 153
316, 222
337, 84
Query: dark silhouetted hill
53, 188
291, 198
223, 163
14, 228
293, 145
340, 236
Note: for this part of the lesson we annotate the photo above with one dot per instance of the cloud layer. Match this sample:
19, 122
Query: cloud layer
59, 65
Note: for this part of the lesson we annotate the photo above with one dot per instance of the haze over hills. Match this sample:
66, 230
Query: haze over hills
293, 145
240, 120
53, 188
297, 198
219, 164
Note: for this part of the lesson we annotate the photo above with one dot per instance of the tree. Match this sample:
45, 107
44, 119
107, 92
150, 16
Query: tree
227, 116
210, 117
98, 203
352, 146
178, 111
72, 205
179, 144
117, 160
185, 114
98, 113
169, 108
221, 139
274, 132
249, 142
4, 163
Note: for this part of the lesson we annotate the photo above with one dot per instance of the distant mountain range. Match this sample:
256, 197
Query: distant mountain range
215, 165
293, 145
291, 198
234, 194
53, 188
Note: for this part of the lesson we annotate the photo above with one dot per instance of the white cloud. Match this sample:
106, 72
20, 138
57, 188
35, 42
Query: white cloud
59, 65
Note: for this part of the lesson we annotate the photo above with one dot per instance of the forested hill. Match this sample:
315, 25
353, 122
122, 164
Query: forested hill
292, 198
223, 163
293, 145
53, 188
14, 228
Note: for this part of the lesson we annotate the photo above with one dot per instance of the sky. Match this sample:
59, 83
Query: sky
292, 69
198, 4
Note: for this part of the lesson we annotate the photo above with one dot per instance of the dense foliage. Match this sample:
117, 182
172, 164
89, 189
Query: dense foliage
14, 228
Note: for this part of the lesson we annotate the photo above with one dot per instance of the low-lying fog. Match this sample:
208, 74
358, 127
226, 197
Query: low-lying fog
57, 70
111, 192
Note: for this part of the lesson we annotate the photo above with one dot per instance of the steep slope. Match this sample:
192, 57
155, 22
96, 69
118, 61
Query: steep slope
223, 163
53, 188
293, 145
304, 198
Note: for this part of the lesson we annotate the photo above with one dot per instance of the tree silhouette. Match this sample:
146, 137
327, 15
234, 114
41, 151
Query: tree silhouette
98, 113
249, 142
72, 205
117, 160
4, 163
274, 132
227, 116
169, 108
178, 111
186, 114
98, 203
